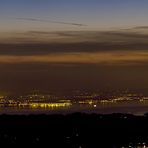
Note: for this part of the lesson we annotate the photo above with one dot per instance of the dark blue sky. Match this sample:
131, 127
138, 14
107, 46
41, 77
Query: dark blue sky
95, 13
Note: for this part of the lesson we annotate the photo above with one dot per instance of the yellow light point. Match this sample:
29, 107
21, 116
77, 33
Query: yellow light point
90, 102
42, 105
141, 100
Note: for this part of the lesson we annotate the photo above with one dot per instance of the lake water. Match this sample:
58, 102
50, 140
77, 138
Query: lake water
131, 107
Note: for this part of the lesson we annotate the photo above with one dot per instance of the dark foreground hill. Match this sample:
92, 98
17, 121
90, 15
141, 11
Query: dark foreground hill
74, 131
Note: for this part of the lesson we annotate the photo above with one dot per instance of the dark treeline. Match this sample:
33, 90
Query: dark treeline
76, 130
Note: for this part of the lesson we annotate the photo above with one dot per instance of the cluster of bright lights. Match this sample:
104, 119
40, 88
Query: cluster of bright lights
56, 101
49, 105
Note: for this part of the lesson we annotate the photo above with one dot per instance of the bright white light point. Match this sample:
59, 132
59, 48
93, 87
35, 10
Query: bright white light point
95, 105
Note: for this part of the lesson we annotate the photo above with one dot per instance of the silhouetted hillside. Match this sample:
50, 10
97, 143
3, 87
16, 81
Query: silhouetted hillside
76, 130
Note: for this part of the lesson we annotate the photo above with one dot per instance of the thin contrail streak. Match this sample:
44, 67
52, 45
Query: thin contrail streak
58, 22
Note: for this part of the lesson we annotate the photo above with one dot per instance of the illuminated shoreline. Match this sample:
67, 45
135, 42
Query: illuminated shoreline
54, 101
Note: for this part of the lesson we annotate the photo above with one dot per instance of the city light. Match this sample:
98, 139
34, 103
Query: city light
49, 105
63, 101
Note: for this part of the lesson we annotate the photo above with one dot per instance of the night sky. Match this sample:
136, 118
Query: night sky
42, 48
95, 13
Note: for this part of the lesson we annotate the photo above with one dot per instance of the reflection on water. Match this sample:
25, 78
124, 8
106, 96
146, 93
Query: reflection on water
49, 105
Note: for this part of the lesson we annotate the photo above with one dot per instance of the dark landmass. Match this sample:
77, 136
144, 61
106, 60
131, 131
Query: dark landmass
76, 130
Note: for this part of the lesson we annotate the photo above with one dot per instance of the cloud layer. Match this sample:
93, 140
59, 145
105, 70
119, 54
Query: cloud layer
117, 36
95, 60
122, 46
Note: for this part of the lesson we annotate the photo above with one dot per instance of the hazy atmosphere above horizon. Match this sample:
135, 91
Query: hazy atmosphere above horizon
73, 44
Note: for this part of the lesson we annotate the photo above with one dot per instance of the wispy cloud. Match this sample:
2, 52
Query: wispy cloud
141, 27
51, 21
42, 42
113, 36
